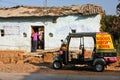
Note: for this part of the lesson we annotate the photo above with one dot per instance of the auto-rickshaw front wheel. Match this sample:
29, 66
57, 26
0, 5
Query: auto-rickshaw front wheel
57, 65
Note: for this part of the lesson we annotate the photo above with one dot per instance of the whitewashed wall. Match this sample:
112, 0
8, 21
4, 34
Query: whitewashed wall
17, 41
60, 30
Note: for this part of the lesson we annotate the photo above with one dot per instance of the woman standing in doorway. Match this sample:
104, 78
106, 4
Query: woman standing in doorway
35, 41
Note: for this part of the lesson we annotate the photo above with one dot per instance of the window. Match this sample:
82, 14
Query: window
2, 32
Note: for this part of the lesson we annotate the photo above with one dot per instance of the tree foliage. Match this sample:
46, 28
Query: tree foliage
118, 8
111, 24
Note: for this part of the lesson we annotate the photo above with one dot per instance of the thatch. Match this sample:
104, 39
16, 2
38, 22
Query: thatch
27, 11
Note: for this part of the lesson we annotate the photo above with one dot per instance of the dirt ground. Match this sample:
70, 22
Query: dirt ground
15, 62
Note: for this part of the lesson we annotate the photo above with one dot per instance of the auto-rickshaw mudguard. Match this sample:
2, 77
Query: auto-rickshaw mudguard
101, 60
57, 58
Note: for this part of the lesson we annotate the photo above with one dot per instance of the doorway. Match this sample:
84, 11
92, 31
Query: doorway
40, 37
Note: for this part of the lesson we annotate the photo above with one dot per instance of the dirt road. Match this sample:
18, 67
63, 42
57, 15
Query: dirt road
38, 76
46, 68
12, 63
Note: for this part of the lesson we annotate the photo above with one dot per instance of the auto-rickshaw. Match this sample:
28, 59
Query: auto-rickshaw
95, 49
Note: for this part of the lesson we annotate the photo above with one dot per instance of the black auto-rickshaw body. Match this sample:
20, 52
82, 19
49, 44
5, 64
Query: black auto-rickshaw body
95, 49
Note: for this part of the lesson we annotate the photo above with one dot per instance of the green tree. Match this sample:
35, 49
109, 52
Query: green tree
118, 8
111, 24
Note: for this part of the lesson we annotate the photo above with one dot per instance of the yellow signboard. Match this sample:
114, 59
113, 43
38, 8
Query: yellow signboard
104, 41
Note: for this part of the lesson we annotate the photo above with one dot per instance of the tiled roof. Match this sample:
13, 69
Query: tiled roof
28, 11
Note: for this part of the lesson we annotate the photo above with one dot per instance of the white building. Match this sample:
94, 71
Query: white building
17, 23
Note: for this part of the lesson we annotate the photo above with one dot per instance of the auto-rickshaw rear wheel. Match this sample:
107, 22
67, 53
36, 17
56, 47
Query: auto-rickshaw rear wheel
99, 67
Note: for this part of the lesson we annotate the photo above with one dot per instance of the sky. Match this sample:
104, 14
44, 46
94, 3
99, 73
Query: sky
108, 5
